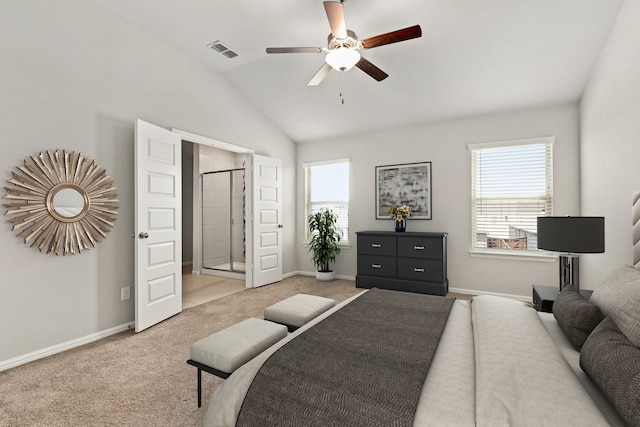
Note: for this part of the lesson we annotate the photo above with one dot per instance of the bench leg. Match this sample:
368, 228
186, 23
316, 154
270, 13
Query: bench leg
201, 367
199, 387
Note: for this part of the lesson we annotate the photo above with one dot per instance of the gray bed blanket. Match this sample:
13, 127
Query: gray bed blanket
364, 365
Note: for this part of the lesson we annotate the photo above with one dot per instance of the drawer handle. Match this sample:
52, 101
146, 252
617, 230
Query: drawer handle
418, 270
418, 248
376, 265
376, 245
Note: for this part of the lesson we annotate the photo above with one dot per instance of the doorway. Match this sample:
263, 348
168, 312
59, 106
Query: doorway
223, 220
159, 203
214, 232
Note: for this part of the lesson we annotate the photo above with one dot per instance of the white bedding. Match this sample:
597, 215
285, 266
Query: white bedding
496, 365
447, 398
522, 378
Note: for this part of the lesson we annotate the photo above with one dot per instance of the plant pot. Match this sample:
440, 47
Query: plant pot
325, 276
401, 226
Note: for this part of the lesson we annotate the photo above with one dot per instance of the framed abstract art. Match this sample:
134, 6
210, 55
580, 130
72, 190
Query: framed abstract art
405, 184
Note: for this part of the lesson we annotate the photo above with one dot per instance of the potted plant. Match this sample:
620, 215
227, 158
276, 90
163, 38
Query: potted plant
324, 244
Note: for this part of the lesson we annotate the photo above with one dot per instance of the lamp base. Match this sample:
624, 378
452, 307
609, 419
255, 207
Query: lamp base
569, 271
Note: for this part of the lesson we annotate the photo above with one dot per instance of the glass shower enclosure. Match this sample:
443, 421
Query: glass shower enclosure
223, 220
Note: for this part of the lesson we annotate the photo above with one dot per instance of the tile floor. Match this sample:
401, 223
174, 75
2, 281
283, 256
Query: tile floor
200, 288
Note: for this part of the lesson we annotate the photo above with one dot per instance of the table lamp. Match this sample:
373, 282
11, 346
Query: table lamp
571, 235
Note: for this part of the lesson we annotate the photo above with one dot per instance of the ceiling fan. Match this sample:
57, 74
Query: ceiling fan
343, 45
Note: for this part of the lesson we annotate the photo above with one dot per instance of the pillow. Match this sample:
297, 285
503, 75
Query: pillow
613, 363
576, 316
618, 296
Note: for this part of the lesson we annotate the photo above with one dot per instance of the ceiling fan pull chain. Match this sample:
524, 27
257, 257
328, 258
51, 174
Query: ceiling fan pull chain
341, 98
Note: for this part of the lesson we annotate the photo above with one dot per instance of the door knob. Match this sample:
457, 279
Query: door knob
143, 235
279, 225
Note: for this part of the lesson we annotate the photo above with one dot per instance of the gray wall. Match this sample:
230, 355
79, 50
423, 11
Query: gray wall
73, 77
445, 145
610, 149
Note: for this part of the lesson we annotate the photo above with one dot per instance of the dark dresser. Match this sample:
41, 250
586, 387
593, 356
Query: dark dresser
410, 261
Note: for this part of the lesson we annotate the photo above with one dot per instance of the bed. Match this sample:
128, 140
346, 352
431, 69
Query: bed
496, 362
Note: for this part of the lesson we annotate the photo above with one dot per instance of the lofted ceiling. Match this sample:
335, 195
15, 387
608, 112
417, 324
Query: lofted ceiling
474, 57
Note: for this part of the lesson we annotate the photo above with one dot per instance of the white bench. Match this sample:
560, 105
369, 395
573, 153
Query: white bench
225, 351
297, 310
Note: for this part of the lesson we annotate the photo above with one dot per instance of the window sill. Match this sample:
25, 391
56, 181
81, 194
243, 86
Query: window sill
536, 256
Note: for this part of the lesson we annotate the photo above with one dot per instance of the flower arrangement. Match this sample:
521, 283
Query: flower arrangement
399, 212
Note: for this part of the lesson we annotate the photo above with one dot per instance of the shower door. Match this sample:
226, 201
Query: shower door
223, 220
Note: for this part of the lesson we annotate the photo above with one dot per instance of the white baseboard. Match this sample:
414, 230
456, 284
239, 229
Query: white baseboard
303, 273
223, 273
457, 290
290, 274
313, 273
58, 348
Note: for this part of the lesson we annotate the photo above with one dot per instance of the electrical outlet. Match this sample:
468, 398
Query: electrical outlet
125, 293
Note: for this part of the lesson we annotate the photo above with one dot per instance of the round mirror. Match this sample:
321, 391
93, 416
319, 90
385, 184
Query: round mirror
68, 202
61, 202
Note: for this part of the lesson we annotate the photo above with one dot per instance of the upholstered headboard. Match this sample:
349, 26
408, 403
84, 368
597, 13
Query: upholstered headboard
635, 217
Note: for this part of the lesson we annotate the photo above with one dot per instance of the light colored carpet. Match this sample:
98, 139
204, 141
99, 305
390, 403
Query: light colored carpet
139, 379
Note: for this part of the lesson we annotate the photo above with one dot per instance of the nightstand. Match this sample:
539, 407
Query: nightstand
544, 296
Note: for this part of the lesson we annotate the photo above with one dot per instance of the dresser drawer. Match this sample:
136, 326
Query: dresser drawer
424, 270
420, 247
377, 245
372, 265
409, 262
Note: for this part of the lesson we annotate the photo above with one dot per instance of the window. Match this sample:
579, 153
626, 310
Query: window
512, 184
327, 186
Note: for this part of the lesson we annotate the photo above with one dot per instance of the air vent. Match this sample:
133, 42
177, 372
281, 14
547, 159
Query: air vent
220, 47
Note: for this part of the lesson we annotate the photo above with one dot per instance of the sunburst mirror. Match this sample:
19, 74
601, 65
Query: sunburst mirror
61, 203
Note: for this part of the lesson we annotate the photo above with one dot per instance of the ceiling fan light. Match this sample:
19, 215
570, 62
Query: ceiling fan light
342, 59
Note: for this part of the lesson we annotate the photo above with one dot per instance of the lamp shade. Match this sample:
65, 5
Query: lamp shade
342, 58
573, 234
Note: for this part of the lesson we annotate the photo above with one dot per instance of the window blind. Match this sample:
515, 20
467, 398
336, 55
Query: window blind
512, 184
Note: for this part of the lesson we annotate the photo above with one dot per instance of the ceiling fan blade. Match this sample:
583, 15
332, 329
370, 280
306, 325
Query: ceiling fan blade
372, 70
322, 72
295, 49
393, 37
335, 14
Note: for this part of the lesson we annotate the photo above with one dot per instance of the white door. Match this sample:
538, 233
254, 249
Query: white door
158, 224
267, 220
